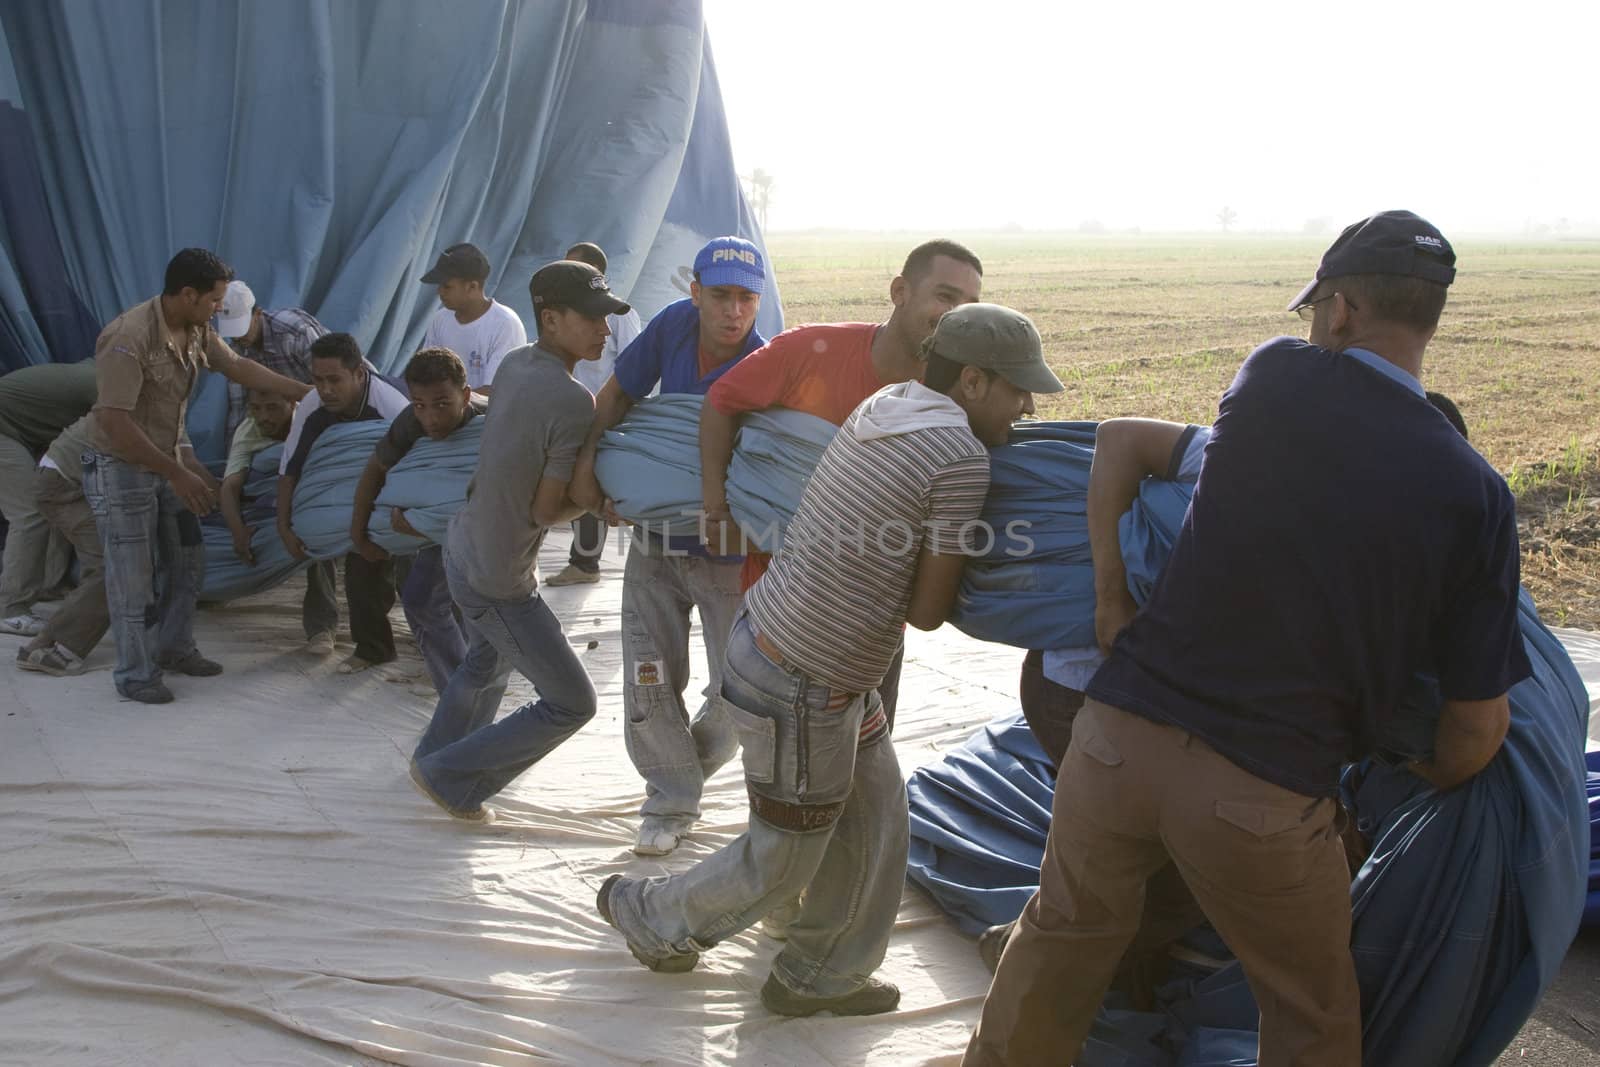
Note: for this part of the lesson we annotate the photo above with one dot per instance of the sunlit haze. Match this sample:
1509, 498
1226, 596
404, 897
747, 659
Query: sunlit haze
937, 115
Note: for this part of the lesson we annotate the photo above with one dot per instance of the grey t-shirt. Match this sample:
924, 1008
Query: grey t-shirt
534, 428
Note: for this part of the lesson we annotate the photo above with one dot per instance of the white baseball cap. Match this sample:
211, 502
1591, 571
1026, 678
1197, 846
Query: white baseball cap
233, 317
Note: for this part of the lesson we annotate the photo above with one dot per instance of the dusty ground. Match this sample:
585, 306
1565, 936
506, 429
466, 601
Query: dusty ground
1157, 326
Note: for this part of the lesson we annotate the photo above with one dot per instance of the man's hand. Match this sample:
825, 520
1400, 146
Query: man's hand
368, 550
399, 523
292, 542
241, 546
1112, 614
194, 493
607, 511
720, 533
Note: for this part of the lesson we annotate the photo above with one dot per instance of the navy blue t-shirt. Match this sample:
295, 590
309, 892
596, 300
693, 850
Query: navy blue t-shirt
1342, 537
667, 351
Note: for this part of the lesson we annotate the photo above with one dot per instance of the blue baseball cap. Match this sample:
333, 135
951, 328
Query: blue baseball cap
731, 261
1390, 242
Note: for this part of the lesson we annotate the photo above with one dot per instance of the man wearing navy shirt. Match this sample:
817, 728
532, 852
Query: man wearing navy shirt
684, 349
1342, 536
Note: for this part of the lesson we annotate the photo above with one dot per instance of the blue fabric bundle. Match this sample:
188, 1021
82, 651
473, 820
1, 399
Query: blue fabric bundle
1501, 863
649, 465
773, 458
1034, 588
326, 487
227, 577
430, 485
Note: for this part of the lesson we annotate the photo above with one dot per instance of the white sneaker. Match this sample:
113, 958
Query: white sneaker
570, 575
23, 625
655, 841
320, 644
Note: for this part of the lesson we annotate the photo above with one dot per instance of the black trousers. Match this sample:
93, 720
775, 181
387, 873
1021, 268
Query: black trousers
369, 595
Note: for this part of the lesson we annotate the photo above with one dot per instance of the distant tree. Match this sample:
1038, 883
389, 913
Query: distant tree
761, 183
1227, 216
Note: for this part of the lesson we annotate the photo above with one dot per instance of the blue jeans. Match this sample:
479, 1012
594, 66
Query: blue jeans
465, 756
826, 817
431, 613
154, 564
673, 752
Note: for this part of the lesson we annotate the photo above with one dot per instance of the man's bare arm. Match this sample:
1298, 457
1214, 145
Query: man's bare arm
130, 444
286, 534
231, 498
553, 505
252, 375
373, 477
1469, 734
934, 588
609, 408
1126, 451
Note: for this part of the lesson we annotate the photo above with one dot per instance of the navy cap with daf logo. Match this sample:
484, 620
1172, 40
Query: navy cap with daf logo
1390, 242
459, 261
566, 283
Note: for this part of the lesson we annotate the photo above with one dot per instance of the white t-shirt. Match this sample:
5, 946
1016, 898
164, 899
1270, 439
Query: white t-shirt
481, 343
1073, 667
592, 373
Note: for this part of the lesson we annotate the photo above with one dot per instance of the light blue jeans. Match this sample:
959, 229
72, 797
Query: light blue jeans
154, 564
431, 613
465, 756
826, 817
673, 752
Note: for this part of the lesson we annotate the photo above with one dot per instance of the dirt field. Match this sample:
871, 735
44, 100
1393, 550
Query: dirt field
1157, 326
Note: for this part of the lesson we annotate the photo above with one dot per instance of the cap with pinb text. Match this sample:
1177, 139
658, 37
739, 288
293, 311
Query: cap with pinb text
731, 261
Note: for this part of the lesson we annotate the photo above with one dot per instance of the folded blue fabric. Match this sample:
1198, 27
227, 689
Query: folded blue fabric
429, 484
227, 577
773, 458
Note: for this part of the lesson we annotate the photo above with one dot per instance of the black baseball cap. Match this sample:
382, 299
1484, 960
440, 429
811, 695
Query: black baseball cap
1390, 242
459, 261
570, 284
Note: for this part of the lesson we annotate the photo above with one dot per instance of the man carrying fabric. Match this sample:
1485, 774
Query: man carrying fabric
589, 531
1341, 534
279, 340
531, 437
827, 371
880, 539
685, 349
470, 323
146, 500
441, 403
36, 404
347, 390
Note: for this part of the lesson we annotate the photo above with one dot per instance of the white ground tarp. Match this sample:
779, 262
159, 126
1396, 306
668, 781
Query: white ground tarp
247, 876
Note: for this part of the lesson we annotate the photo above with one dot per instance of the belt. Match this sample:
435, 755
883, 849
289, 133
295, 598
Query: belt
772, 651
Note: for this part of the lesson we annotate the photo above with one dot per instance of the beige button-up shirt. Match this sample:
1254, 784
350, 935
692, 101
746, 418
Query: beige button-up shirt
141, 368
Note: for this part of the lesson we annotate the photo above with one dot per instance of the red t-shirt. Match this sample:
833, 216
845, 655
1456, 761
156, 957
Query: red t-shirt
823, 370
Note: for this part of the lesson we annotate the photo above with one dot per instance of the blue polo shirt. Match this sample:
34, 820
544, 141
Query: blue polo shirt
1342, 537
667, 352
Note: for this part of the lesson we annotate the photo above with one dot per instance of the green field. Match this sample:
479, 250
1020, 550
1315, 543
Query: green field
1157, 326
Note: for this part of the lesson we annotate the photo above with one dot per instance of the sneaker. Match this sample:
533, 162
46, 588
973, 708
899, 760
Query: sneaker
483, 814
320, 644
149, 693
992, 942
191, 663
571, 575
24, 625
354, 665
57, 659
873, 998
676, 963
775, 924
655, 841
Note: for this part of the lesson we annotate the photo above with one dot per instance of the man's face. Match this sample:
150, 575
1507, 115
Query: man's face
339, 389
992, 405
571, 332
272, 413
458, 293
727, 312
439, 407
198, 308
947, 283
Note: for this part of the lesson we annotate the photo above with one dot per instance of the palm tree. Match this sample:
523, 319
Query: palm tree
1227, 216
761, 184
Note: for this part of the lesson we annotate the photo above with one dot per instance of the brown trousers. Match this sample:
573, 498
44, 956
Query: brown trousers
82, 620
1266, 865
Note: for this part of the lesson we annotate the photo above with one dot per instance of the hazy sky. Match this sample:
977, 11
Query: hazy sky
931, 114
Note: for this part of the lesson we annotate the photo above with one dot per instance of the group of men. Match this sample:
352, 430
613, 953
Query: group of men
1342, 536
